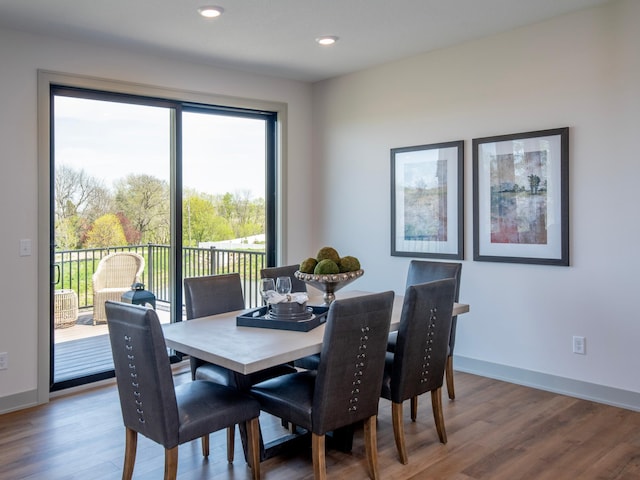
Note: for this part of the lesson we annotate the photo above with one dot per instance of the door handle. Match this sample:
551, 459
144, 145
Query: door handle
55, 275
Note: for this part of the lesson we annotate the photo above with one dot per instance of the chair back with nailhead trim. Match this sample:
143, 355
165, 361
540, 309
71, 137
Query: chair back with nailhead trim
349, 377
422, 344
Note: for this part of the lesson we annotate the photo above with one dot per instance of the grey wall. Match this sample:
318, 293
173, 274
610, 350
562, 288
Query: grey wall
582, 71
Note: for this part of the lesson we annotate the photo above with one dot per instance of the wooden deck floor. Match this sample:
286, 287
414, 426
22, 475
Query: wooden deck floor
84, 349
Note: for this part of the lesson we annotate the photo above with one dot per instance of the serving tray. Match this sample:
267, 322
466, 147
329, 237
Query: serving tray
260, 318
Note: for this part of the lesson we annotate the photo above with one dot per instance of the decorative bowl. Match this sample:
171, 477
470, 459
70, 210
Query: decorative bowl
329, 283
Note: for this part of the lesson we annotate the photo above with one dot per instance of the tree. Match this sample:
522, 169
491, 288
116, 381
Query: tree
246, 217
67, 233
106, 231
534, 183
132, 235
75, 191
79, 200
144, 201
200, 223
100, 203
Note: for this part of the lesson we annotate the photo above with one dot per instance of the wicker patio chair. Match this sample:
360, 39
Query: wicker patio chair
114, 276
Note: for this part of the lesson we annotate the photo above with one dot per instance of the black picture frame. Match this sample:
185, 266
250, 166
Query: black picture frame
427, 201
521, 198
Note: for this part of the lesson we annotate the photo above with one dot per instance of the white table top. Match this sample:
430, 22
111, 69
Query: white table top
217, 339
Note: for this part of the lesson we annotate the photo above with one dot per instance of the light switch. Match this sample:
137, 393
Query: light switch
25, 247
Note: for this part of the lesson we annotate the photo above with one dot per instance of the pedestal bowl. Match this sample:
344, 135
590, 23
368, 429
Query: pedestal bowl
329, 283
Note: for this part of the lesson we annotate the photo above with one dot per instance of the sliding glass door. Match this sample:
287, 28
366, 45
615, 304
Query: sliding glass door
145, 192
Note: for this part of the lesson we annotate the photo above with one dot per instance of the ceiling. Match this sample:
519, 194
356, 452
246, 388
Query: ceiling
277, 37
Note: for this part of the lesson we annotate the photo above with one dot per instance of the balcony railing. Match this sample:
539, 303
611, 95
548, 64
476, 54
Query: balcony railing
74, 268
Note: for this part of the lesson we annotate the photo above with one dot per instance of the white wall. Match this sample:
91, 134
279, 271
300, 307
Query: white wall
582, 71
21, 56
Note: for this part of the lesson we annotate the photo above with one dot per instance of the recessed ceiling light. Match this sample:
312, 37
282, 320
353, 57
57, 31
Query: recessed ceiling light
327, 40
210, 11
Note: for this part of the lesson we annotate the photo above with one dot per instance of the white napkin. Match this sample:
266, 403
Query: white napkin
275, 297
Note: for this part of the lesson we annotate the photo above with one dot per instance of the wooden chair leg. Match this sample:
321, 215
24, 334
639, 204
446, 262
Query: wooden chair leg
449, 374
131, 445
371, 446
170, 463
231, 443
414, 408
436, 403
253, 439
205, 446
398, 431
319, 463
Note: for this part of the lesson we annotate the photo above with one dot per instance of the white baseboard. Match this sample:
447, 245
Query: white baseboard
18, 401
543, 381
29, 399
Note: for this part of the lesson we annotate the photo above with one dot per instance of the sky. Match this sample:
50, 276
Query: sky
110, 140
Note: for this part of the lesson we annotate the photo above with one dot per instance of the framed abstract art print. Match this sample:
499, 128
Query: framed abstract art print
521, 198
427, 201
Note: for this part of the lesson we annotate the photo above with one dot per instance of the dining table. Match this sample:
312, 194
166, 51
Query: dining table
219, 340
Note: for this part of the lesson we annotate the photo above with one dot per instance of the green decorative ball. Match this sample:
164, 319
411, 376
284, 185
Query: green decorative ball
308, 265
326, 267
328, 253
349, 264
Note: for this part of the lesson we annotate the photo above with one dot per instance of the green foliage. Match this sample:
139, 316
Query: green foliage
201, 223
106, 231
248, 229
142, 204
77, 275
145, 201
246, 217
79, 200
67, 232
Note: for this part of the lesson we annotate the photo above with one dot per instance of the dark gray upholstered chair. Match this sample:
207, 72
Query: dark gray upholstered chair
286, 271
151, 404
211, 295
418, 363
346, 387
421, 271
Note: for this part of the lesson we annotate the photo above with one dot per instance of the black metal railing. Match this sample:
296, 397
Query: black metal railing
75, 268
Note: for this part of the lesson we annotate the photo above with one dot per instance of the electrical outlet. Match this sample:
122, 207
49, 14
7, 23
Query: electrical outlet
579, 345
4, 360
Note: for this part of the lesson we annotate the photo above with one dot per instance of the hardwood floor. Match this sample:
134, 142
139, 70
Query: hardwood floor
496, 431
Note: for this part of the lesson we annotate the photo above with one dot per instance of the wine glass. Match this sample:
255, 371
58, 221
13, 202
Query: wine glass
266, 285
283, 285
